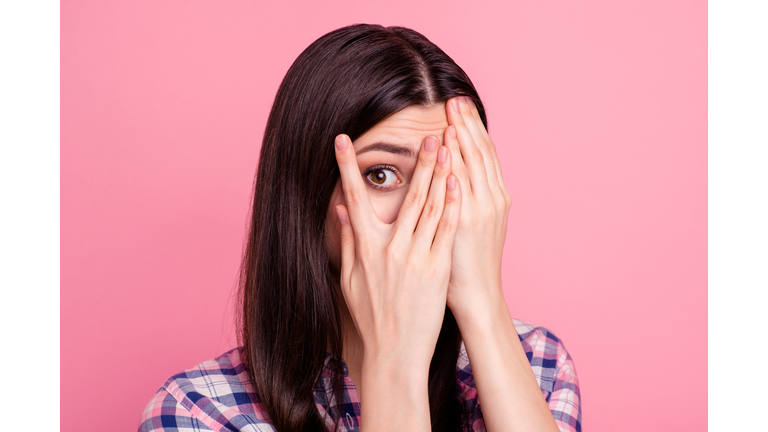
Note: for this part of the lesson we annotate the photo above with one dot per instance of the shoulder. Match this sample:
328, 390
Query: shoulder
555, 371
213, 395
553, 368
546, 353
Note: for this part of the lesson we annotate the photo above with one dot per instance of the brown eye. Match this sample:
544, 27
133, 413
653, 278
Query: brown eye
378, 176
382, 176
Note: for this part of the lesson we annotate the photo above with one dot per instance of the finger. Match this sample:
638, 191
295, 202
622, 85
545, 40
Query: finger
500, 177
457, 162
496, 162
418, 189
347, 245
433, 209
483, 140
470, 152
492, 148
359, 207
449, 221
458, 168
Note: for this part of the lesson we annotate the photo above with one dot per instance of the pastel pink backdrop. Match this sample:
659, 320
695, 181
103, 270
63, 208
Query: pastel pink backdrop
599, 113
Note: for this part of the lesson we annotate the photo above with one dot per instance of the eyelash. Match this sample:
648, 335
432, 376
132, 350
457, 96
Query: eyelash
376, 168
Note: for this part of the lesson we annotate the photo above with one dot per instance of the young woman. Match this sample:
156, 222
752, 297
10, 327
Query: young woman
372, 275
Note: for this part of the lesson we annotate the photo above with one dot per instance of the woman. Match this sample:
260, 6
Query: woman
372, 273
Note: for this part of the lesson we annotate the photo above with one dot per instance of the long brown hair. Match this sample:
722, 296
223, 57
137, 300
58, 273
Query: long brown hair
345, 82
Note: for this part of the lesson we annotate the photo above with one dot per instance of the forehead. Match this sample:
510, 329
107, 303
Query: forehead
407, 127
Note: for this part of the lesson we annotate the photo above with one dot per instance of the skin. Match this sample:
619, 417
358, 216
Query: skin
406, 129
439, 226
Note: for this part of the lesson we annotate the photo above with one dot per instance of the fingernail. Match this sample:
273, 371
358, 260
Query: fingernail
451, 182
340, 214
455, 104
341, 143
470, 102
442, 155
452, 131
431, 144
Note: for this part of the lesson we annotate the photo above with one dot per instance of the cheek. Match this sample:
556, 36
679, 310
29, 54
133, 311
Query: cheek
387, 205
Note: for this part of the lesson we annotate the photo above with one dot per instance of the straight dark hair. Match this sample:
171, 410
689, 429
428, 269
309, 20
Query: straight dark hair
345, 82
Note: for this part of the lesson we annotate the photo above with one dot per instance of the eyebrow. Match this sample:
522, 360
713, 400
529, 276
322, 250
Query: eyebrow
389, 148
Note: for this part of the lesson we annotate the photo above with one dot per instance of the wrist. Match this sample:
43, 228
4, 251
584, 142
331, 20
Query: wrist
489, 323
393, 395
482, 307
401, 370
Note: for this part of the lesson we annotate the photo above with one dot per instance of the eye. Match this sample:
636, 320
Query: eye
382, 176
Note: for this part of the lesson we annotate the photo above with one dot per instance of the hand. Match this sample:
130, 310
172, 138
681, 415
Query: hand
394, 277
475, 281
503, 376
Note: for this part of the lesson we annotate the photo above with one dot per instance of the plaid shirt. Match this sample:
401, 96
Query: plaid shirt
214, 395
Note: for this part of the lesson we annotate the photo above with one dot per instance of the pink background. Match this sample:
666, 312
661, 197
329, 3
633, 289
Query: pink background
599, 113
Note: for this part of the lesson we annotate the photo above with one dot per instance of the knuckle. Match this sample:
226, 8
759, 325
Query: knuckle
485, 145
431, 209
453, 145
412, 197
346, 240
442, 171
499, 204
353, 196
476, 153
446, 225
425, 159
392, 253
460, 173
395, 258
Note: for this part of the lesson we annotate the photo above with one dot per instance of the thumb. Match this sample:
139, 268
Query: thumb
347, 244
